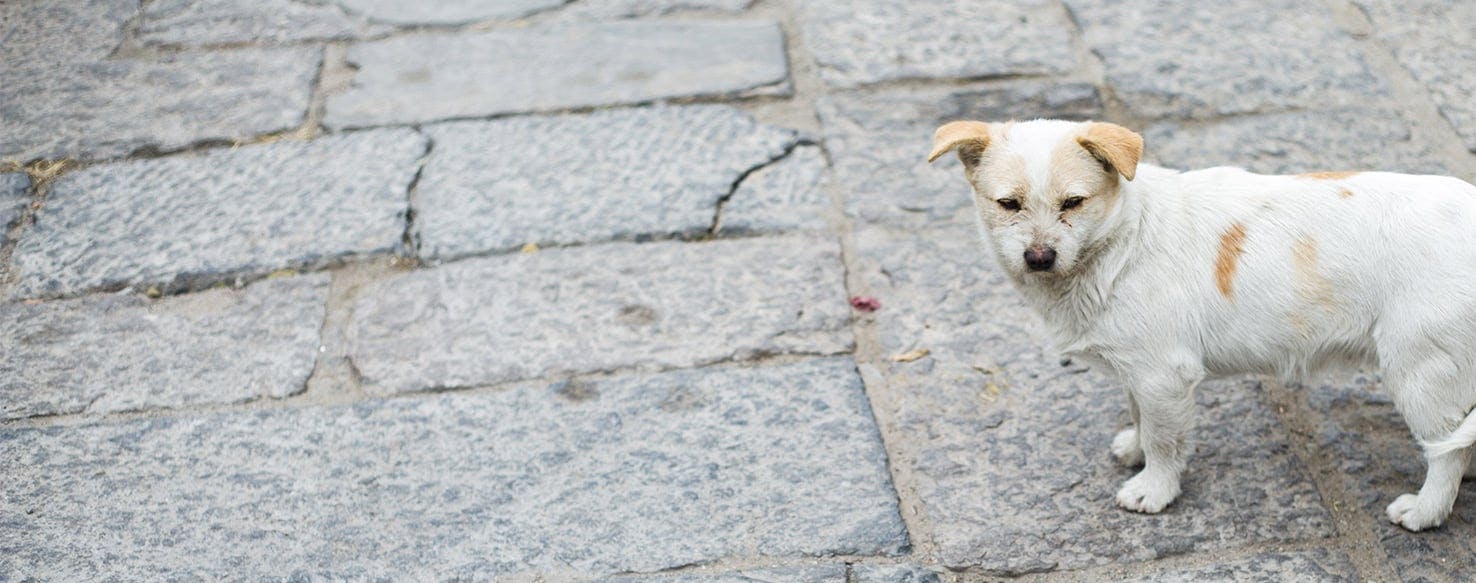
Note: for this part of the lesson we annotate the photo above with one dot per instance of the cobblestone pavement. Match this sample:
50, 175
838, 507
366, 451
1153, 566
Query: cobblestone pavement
556, 290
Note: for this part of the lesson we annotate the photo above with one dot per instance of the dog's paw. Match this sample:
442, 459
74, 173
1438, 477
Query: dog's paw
1147, 493
1407, 512
1126, 449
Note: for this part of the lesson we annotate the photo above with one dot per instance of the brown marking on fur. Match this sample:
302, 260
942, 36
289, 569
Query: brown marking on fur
1114, 145
973, 135
1300, 324
1345, 193
1310, 283
1232, 245
1333, 175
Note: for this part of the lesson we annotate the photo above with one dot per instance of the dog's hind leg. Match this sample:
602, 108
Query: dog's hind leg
1427, 392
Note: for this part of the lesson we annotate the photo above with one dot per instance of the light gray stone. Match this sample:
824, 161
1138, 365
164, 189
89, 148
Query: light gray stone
107, 109
124, 353
879, 143
1434, 40
15, 194
787, 195
1166, 58
185, 221
619, 174
47, 33
624, 474
612, 9
425, 78
215, 22
1292, 143
1315, 565
446, 12
600, 307
807, 574
866, 573
856, 43
1009, 446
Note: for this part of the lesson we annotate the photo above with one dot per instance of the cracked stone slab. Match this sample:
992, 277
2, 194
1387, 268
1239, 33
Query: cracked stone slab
55, 32
215, 22
626, 474
879, 143
120, 352
184, 221
808, 574
1009, 446
556, 180
788, 195
1296, 142
1434, 41
1315, 565
425, 78
15, 194
1197, 60
600, 307
857, 43
108, 109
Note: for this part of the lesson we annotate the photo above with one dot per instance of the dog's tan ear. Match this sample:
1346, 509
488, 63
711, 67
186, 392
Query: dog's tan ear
1116, 146
973, 135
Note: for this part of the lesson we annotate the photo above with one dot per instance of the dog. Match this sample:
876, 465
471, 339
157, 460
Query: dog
1168, 278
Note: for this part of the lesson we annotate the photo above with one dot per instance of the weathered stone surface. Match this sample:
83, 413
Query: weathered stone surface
15, 193
56, 32
1316, 565
123, 353
106, 109
879, 144
1194, 59
446, 11
611, 9
787, 195
626, 474
617, 174
599, 307
1434, 40
1009, 447
856, 43
213, 22
863, 573
1310, 141
426, 78
808, 574
181, 221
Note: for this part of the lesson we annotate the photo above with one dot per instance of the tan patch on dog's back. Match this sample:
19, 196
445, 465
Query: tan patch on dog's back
1311, 285
1232, 245
1345, 193
1335, 175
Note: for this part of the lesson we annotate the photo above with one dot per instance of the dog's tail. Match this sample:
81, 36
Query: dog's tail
1463, 437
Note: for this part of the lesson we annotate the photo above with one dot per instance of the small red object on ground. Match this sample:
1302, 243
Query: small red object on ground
865, 303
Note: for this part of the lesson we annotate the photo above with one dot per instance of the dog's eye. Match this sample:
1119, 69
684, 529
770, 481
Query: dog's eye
1009, 204
1071, 203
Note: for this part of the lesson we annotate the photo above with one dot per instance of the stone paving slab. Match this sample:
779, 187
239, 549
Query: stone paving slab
15, 194
600, 307
879, 143
856, 43
624, 474
1010, 446
1317, 565
807, 574
618, 174
56, 32
108, 109
788, 195
218, 22
1434, 40
1295, 142
612, 9
1166, 58
432, 77
863, 573
183, 221
111, 353
446, 12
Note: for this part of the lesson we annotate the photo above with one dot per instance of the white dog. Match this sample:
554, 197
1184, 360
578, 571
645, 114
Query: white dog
1168, 278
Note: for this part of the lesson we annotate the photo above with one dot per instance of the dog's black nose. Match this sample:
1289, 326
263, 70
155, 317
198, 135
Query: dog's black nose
1039, 258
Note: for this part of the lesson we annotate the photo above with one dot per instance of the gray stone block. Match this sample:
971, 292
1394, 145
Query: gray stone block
600, 307
1434, 41
618, 174
856, 43
1292, 143
1315, 565
1166, 58
124, 353
787, 195
425, 78
806, 574
864, 573
616, 475
879, 143
54, 32
214, 22
15, 194
1009, 446
107, 109
612, 9
446, 12
185, 221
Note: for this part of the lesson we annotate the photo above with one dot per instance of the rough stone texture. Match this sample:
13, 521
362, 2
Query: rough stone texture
181, 221
787, 195
15, 193
1316, 565
106, 109
879, 144
445, 12
123, 353
88, 30
587, 309
1434, 40
214, 22
425, 78
1192, 59
863, 573
1009, 447
1283, 143
617, 174
611, 9
857, 43
807, 574
627, 474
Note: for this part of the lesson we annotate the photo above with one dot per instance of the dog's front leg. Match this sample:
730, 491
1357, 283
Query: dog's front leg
1166, 411
1126, 448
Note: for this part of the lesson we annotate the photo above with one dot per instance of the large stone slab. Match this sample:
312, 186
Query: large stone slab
787, 195
1315, 565
107, 109
184, 221
879, 143
15, 194
1009, 446
123, 353
623, 474
424, 78
1292, 143
1434, 40
1166, 58
54, 32
856, 43
215, 22
617, 174
600, 307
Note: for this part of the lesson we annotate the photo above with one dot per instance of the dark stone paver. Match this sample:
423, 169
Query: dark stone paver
216, 22
864, 573
636, 473
181, 221
123, 353
1318, 565
787, 195
1434, 40
55, 32
1289, 143
600, 307
15, 194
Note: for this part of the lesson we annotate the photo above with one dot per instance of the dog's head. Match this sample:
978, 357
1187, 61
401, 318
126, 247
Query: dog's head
1044, 190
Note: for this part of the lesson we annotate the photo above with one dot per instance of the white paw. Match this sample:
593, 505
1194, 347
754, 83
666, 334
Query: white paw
1147, 493
1407, 512
1125, 448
